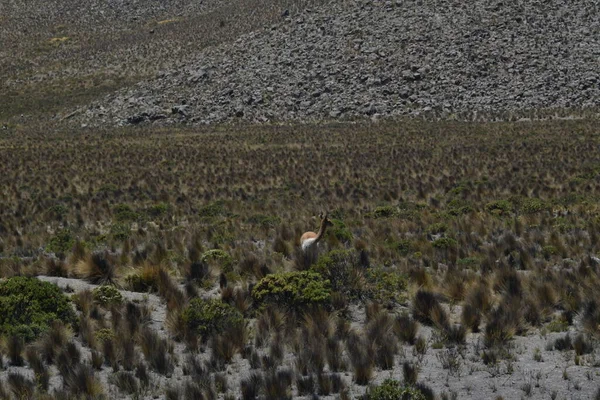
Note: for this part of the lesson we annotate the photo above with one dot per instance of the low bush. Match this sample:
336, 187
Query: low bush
391, 389
341, 268
211, 316
384, 212
61, 242
218, 257
28, 306
158, 210
264, 221
107, 295
532, 205
387, 286
340, 231
499, 207
444, 243
124, 213
293, 290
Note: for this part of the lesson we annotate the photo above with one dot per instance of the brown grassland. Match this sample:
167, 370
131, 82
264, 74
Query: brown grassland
473, 233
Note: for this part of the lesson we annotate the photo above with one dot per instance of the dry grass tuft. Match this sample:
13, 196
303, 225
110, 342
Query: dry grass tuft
98, 268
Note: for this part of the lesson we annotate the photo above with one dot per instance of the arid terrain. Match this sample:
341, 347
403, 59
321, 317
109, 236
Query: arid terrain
462, 257
161, 160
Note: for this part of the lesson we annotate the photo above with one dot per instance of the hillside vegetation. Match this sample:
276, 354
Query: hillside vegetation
461, 257
160, 161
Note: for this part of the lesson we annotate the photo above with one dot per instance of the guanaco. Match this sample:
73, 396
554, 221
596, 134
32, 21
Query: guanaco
310, 240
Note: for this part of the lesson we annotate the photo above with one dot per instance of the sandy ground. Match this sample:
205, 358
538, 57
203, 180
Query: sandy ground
555, 376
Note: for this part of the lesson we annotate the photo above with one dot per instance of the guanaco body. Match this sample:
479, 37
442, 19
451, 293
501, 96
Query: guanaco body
310, 240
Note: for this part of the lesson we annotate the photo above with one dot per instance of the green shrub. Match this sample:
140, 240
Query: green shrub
219, 257
409, 210
158, 210
264, 221
207, 317
104, 335
58, 211
391, 389
387, 286
558, 325
468, 262
340, 267
549, 251
437, 228
404, 247
220, 233
564, 226
532, 205
340, 231
28, 306
212, 210
293, 289
61, 242
458, 207
107, 295
499, 207
444, 243
108, 188
460, 189
124, 213
120, 232
384, 212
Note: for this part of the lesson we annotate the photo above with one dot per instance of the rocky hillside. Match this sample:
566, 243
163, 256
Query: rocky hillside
356, 58
58, 55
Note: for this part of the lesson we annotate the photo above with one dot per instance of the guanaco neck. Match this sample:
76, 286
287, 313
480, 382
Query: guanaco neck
321, 230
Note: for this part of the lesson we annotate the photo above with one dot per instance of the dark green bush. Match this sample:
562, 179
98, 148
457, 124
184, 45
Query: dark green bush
468, 262
458, 207
107, 295
384, 212
264, 221
342, 270
549, 251
499, 207
437, 228
218, 257
391, 389
340, 231
211, 316
120, 231
124, 213
158, 210
529, 205
61, 242
444, 243
58, 211
403, 246
212, 210
533, 205
387, 286
28, 306
293, 289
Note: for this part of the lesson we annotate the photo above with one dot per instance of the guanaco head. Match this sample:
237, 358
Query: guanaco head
324, 219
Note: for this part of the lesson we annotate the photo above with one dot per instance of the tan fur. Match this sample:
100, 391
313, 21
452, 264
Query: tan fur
325, 222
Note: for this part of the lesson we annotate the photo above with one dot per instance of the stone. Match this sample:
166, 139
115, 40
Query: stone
181, 109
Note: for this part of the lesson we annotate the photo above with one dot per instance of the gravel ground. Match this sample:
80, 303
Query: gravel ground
554, 375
